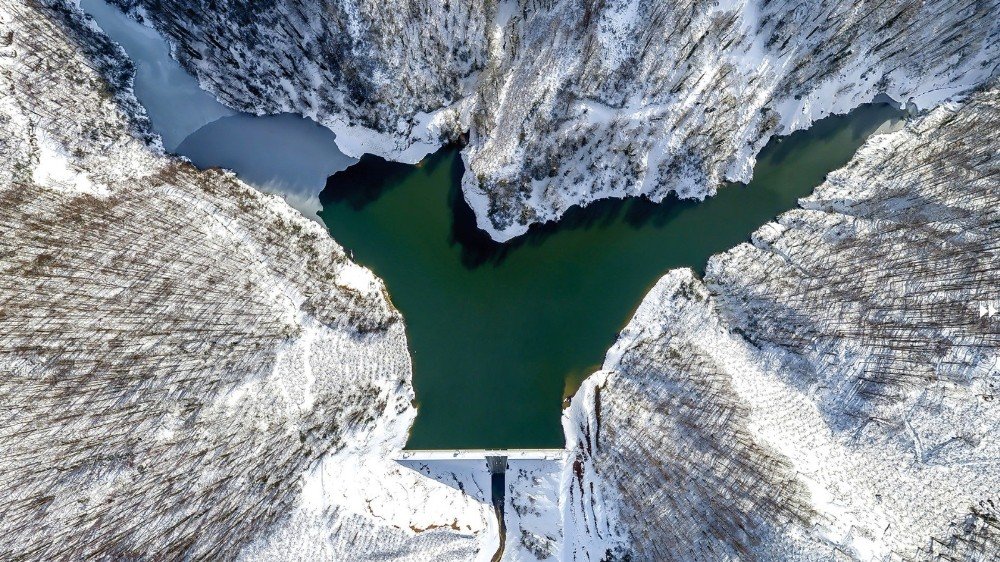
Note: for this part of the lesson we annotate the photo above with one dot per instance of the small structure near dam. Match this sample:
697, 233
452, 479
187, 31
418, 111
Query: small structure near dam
521, 485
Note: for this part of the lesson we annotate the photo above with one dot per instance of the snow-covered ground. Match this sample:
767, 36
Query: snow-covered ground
825, 391
193, 369
196, 371
567, 102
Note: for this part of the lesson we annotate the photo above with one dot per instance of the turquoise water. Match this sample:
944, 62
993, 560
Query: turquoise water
500, 334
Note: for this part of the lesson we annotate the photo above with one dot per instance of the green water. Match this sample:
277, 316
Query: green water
501, 333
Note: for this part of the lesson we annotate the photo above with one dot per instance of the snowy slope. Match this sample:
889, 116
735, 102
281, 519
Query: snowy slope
827, 391
190, 367
570, 101
194, 369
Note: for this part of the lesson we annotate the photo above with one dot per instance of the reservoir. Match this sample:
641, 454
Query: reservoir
500, 334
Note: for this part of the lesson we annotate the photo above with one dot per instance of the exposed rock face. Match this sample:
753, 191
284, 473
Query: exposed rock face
828, 389
568, 101
183, 358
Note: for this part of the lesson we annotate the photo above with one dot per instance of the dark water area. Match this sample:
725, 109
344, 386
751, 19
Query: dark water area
501, 333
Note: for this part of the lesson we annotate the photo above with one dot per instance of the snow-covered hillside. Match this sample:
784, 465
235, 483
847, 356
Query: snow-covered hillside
189, 366
827, 391
569, 101
191, 369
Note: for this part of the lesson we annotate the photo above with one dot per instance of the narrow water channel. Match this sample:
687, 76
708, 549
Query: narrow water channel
286, 154
500, 333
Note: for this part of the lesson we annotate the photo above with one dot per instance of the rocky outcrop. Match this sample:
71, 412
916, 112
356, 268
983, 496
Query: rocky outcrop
827, 389
569, 101
184, 359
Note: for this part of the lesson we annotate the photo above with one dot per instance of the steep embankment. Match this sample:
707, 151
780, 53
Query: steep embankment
575, 100
828, 389
188, 366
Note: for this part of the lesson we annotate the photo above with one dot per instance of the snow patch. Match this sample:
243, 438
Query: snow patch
55, 170
357, 278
